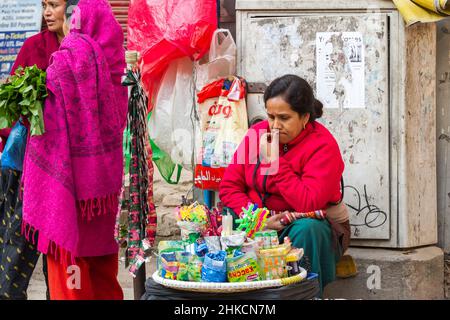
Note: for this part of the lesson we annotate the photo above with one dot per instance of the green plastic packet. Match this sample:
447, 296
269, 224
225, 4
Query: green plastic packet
243, 267
183, 262
171, 246
190, 267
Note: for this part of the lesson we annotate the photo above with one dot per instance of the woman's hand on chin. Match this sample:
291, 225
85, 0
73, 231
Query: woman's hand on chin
269, 147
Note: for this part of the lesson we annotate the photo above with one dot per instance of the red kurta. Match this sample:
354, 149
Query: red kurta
308, 175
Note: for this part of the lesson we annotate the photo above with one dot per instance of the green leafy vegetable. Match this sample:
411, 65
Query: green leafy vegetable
23, 94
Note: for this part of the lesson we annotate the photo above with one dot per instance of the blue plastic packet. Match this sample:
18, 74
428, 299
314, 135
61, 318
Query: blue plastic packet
200, 247
214, 267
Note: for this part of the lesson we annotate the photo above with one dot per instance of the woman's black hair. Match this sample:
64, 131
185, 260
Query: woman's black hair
70, 4
298, 93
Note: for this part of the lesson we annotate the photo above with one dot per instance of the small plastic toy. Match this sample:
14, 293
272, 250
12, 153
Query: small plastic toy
252, 220
194, 213
214, 223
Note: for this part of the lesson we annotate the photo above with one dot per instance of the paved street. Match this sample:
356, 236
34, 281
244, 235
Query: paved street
36, 289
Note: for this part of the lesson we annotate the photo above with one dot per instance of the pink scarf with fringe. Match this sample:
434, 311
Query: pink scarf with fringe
73, 173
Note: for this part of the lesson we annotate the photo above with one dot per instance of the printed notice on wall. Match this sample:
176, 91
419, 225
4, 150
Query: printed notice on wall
19, 20
340, 69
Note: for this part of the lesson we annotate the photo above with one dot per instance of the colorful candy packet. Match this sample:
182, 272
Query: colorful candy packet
243, 267
190, 267
168, 265
273, 262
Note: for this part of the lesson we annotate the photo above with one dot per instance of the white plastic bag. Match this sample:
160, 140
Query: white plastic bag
223, 125
221, 61
170, 125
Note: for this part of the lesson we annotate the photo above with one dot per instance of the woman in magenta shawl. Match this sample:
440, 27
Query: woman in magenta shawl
37, 49
73, 172
18, 257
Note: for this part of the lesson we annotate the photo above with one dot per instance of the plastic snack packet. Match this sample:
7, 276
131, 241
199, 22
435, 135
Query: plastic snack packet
168, 265
183, 263
250, 245
232, 242
200, 247
213, 243
214, 267
170, 246
273, 263
195, 269
188, 228
243, 267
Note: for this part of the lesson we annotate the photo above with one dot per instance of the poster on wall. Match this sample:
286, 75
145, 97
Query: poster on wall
19, 20
340, 69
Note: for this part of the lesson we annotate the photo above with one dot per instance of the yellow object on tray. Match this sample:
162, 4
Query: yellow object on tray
272, 262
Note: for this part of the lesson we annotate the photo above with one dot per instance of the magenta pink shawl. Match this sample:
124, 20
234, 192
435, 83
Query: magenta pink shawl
73, 173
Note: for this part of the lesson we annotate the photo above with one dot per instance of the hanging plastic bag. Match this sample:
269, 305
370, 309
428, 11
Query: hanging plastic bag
163, 162
223, 117
163, 31
170, 126
14, 151
165, 165
220, 62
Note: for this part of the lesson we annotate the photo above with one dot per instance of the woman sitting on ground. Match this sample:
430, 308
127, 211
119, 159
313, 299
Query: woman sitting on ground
297, 167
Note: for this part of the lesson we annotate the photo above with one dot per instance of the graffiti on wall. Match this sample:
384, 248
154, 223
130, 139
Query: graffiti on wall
362, 211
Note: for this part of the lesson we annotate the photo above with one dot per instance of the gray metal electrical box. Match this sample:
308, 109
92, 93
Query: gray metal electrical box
376, 81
